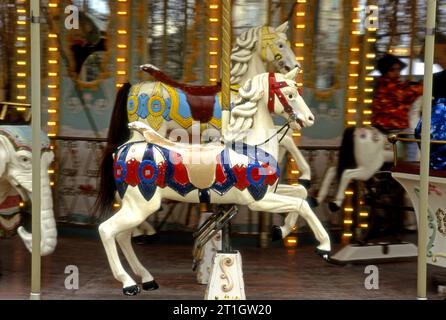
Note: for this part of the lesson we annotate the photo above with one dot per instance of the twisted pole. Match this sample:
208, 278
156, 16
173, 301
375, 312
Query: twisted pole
226, 64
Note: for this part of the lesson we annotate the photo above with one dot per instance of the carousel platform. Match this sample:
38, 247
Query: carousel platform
270, 274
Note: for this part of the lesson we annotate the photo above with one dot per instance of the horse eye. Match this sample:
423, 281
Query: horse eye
281, 46
290, 96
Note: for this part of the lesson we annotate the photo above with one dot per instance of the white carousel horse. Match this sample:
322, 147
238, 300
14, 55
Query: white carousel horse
167, 108
243, 171
363, 152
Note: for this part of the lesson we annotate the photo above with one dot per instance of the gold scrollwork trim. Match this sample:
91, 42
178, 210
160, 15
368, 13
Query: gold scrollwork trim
225, 264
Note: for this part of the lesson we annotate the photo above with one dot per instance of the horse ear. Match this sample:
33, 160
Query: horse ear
292, 74
282, 28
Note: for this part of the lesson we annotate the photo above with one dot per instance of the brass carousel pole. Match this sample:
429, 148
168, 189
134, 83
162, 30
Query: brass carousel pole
425, 149
226, 90
36, 129
226, 64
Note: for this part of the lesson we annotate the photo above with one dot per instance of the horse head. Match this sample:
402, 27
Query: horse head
259, 46
275, 48
285, 100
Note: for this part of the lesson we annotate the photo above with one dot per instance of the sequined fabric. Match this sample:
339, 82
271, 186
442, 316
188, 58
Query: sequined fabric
438, 132
392, 102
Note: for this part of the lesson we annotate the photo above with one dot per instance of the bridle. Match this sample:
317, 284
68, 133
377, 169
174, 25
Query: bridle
274, 91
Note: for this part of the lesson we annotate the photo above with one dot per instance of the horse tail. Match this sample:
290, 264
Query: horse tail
346, 152
118, 133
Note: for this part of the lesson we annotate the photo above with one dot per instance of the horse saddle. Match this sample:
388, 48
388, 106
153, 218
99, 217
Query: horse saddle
201, 99
199, 160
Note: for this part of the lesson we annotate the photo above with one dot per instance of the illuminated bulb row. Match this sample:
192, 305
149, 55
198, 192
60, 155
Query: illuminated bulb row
348, 210
53, 81
122, 42
299, 49
22, 52
370, 37
353, 69
214, 41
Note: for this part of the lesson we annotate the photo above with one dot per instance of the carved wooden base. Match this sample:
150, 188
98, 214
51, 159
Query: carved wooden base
226, 281
436, 231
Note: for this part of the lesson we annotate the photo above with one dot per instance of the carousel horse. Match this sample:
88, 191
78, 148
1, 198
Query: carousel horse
166, 105
363, 151
242, 171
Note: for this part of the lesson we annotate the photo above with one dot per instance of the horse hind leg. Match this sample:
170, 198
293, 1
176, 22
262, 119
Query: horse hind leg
124, 240
275, 203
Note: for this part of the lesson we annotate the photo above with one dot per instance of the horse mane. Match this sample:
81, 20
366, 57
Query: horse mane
245, 106
241, 54
346, 152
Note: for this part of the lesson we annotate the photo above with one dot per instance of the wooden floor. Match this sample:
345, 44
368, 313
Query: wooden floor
273, 273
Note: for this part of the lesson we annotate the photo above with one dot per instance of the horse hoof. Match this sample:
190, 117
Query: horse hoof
132, 290
305, 183
333, 206
276, 233
312, 202
149, 286
324, 254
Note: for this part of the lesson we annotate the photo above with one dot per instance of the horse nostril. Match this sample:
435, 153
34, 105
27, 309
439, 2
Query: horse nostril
296, 66
311, 118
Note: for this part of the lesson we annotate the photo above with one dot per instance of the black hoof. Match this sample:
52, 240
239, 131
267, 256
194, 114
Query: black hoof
312, 202
324, 254
151, 285
146, 239
131, 291
276, 233
333, 206
306, 183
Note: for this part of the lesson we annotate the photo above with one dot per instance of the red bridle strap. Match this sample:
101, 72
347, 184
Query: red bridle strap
274, 90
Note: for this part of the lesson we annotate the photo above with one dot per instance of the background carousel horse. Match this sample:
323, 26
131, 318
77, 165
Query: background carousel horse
16, 178
166, 105
363, 152
243, 171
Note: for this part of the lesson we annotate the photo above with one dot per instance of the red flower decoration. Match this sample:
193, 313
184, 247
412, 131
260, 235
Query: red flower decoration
270, 174
132, 177
240, 173
220, 176
161, 179
179, 170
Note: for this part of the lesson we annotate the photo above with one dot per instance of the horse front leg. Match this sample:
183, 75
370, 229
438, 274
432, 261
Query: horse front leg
125, 242
304, 168
133, 212
326, 183
276, 203
361, 174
